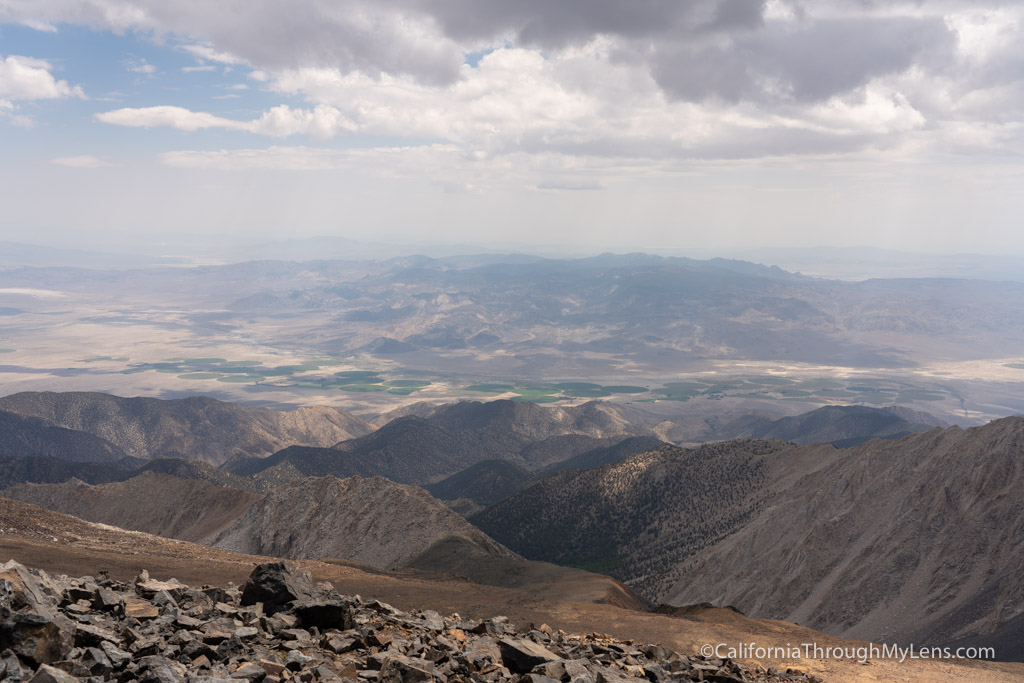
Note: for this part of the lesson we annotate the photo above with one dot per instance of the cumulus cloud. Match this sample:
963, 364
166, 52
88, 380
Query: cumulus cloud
25, 78
648, 78
281, 121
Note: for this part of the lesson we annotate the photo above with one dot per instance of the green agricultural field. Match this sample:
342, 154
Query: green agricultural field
586, 393
624, 389
836, 393
681, 391
535, 394
363, 387
408, 383
531, 398
877, 399
201, 375
489, 388
239, 379
272, 372
299, 367
578, 386
1015, 366
403, 391
359, 375
243, 362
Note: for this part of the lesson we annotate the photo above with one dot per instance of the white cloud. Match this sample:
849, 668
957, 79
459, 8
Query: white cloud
25, 78
706, 78
167, 116
320, 122
210, 54
80, 161
144, 69
193, 69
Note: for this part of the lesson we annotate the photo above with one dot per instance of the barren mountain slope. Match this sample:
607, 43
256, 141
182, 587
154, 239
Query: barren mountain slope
23, 436
490, 481
19, 470
416, 450
921, 538
371, 521
197, 428
160, 504
639, 518
841, 426
914, 540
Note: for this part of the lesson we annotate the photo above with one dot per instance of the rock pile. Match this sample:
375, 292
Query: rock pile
282, 627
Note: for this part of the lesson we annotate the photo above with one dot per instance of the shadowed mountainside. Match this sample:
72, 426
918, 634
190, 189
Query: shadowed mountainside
371, 521
415, 450
921, 538
639, 518
490, 481
196, 428
33, 436
38, 470
841, 426
160, 504
909, 540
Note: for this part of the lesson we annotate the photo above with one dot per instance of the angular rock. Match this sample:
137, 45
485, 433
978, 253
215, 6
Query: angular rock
521, 655
324, 614
140, 609
34, 637
276, 584
399, 669
49, 674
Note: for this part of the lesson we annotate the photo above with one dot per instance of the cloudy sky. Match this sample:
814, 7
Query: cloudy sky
600, 124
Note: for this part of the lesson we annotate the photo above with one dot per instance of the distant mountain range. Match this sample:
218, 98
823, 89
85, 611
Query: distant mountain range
421, 450
572, 317
196, 428
840, 426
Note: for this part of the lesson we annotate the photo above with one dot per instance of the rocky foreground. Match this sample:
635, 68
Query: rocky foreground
280, 627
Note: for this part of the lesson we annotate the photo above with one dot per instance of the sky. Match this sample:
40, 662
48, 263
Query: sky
586, 124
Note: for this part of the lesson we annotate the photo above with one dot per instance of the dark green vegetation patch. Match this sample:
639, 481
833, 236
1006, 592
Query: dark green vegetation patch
625, 389
490, 388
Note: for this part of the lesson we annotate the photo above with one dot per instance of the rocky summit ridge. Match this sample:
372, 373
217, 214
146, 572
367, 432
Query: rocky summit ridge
279, 626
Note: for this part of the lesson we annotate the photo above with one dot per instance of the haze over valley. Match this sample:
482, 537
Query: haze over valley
661, 333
